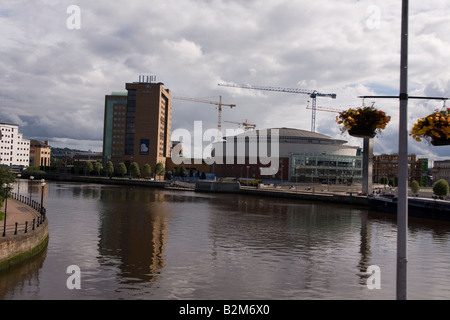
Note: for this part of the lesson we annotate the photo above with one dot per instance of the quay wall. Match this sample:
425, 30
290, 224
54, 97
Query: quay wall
23, 246
314, 197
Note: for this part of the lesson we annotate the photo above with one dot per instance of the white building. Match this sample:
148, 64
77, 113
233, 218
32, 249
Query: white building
299, 156
14, 150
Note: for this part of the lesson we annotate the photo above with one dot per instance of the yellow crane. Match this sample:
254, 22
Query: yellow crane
219, 110
245, 124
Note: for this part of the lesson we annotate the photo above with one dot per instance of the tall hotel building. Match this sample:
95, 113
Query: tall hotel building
14, 150
137, 124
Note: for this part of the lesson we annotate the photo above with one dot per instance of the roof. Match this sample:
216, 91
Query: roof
291, 134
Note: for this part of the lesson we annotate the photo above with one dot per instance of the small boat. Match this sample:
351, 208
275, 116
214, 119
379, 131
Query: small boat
417, 207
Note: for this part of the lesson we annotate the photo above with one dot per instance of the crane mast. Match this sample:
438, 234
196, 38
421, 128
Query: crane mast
312, 93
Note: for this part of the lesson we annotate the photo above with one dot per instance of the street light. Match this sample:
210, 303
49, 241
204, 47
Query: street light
42, 199
6, 187
31, 178
18, 184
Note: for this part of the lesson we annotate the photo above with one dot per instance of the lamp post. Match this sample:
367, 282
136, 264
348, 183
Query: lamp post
18, 185
6, 187
31, 186
42, 199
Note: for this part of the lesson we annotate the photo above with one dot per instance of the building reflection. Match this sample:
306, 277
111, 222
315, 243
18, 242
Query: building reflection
133, 233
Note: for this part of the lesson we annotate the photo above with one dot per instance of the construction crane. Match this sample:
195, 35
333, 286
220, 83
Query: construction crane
312, 93
219, 107
245, 124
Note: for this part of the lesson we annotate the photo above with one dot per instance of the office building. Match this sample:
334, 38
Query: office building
14, 150
386, 165
39, 153
441, 170
137, 124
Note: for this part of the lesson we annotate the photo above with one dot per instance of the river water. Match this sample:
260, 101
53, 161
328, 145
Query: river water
143, 243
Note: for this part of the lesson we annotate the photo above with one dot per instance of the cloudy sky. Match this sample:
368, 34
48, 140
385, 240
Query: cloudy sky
56, 69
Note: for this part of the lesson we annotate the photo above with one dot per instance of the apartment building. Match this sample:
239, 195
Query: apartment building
14, 149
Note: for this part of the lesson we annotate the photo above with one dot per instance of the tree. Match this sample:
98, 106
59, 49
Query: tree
88, 167
6, 176
98, 167
121, 169
441, 188
415, 187
134, 170
109, 168
146, 171
159, 169
384, 180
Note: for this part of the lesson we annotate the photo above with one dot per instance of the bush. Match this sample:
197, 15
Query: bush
34, 169
441, 188
415, 187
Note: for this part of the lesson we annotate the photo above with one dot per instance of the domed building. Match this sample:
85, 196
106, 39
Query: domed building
287, 154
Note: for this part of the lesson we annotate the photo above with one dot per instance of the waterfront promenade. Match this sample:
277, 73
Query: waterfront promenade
23, 234
19, 213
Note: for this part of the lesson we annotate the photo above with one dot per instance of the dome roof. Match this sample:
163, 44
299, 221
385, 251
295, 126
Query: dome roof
291, 135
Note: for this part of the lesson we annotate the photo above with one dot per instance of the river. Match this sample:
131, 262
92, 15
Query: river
156, 244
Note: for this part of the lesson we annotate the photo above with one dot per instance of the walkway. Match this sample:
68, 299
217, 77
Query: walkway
17, 212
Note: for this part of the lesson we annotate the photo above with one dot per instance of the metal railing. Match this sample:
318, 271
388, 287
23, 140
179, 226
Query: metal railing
38, 216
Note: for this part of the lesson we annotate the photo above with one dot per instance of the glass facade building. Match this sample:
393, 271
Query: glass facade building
325, 168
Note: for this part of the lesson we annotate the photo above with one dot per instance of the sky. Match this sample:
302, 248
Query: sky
60, 58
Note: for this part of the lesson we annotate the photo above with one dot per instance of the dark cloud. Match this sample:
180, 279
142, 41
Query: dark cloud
53, 80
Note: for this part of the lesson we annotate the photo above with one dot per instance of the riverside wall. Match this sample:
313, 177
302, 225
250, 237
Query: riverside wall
209, 186
18, 248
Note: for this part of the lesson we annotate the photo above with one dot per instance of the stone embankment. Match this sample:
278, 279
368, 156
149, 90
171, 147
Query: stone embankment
23, 236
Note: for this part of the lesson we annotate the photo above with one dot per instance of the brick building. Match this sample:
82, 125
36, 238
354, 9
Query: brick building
137, 124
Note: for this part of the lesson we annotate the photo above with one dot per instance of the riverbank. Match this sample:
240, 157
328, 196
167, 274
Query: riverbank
334, 194
25, 234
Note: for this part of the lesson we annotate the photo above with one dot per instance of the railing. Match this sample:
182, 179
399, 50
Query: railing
38, 216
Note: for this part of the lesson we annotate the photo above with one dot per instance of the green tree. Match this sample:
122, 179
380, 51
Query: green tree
98, 167
34, 169
134, 170
121, 169
6, 175
415, 187
159, 169
146, 171
109, 168
441, 188
384, 180
88, 167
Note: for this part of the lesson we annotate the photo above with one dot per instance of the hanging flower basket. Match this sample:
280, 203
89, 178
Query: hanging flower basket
434, 128
363, 122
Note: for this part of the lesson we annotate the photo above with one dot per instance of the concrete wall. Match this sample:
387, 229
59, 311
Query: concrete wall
17, 248
215, 186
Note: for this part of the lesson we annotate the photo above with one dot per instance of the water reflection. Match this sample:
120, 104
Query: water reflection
138, 243
133, 230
